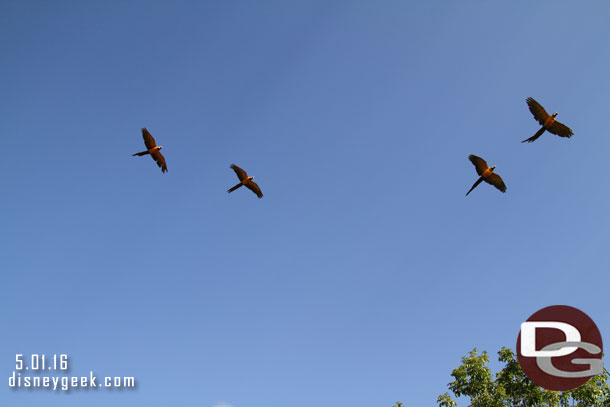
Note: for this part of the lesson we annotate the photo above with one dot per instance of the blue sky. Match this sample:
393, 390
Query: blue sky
364, 274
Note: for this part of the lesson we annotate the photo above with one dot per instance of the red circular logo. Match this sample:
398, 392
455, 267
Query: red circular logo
560, 348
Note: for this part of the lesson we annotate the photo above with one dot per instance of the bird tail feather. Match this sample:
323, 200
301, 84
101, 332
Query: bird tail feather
234, 188
535, 136
475, 185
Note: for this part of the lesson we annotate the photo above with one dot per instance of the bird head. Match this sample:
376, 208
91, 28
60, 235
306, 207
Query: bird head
493, 167
555, 114
159, 147
249, 178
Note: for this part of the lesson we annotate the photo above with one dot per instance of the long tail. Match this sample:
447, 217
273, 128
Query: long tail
142, 153
475, 185
535, 136
235, 187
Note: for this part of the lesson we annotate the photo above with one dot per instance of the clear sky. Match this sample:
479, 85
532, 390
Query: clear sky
364, 274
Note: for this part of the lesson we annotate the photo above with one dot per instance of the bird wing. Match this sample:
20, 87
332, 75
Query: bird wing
478, 163
158, 157
148, 139
495, 180
538, 111
253, 186
241, 174
560, 129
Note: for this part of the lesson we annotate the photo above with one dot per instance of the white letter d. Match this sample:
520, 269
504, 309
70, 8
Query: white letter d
528, 338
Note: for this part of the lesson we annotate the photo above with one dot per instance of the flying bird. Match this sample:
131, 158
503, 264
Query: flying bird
486, 173
245, 180
153, 150
547, 122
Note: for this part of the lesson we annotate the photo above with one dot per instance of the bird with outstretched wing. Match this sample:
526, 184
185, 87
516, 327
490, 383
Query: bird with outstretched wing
153, 150
486, 174
246, 181
547, 122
